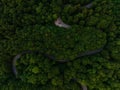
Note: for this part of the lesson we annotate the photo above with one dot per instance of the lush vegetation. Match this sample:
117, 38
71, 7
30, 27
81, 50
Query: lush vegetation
29, 25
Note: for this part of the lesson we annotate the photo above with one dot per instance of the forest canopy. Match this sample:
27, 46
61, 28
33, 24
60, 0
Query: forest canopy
29, 25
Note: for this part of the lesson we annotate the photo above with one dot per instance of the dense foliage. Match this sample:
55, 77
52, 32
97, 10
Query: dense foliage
29, 25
